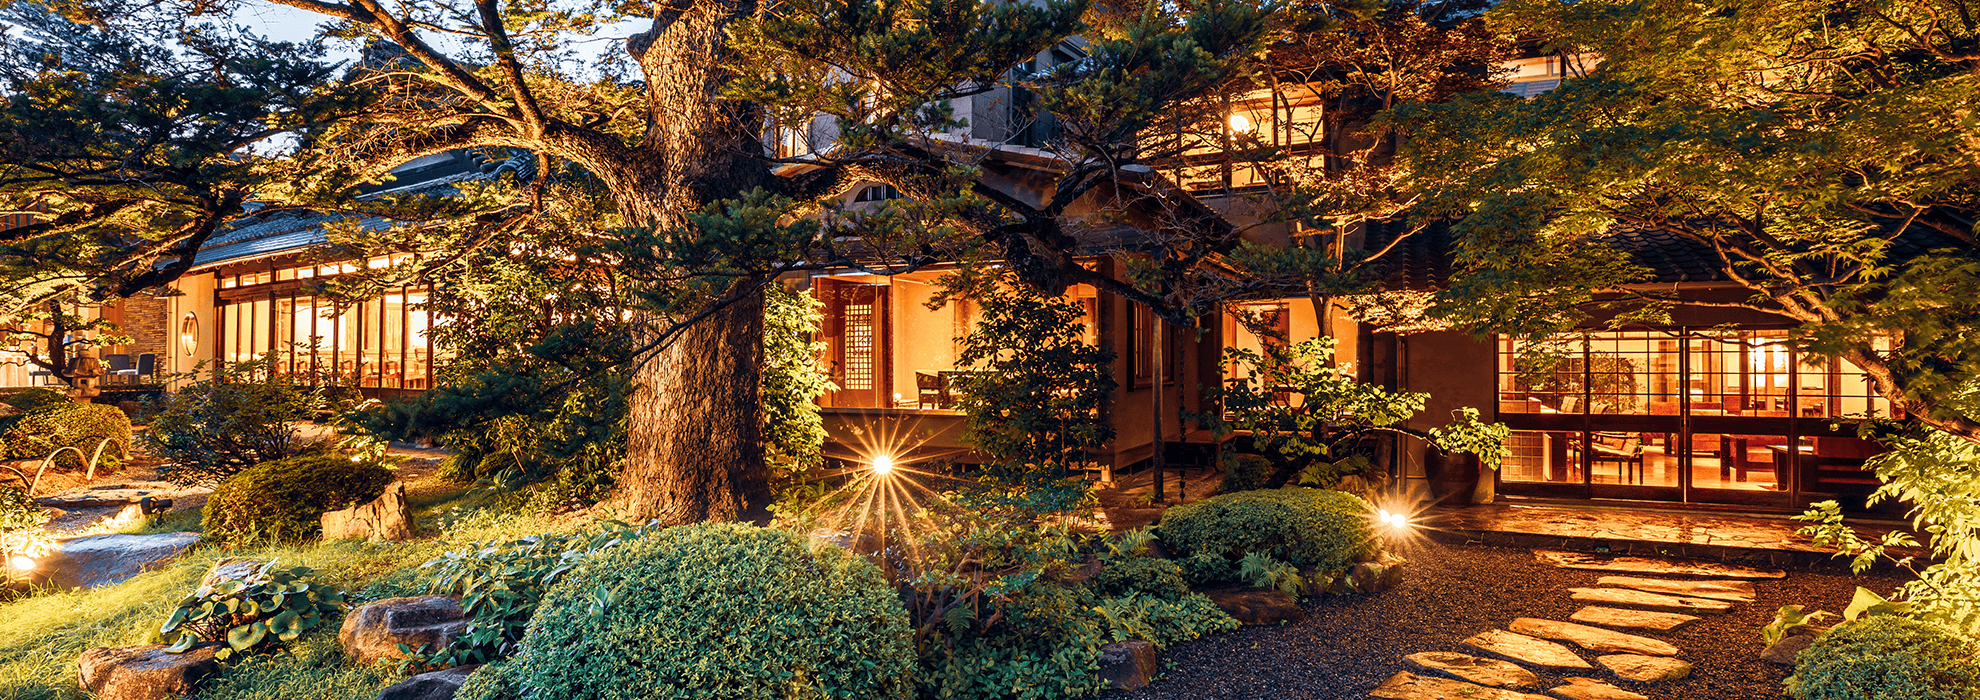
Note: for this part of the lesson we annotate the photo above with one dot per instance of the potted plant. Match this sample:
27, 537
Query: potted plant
1459, 456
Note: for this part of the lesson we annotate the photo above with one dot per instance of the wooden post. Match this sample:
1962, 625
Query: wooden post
1155, 333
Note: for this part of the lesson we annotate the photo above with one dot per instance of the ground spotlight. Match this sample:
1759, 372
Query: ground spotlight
883, 465
1395, 520
20, 562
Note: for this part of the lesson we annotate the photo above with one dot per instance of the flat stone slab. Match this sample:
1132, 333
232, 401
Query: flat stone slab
1633, 619
1480, 670
1654, 601
1736, 591
1591, 689
1647, 669
1594, 639
1646, 565
1519, 647
89, 562
1409, 686
1257, 606
116, 494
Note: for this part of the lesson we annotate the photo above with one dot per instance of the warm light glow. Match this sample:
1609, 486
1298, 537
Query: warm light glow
1394, 519
1240, 124
883, 465
21, 562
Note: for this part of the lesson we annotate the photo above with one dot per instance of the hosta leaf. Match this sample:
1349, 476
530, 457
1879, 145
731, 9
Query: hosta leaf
178, 616
185, 642
244, 636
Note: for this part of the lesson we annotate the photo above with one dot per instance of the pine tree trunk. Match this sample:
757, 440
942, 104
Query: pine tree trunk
694, 450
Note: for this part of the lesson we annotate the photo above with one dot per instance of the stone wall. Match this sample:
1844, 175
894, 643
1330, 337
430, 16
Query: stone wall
147, 321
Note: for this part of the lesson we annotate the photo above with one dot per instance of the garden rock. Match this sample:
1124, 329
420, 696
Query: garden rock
1483, 671
1409, 686
1257, 606
1736, 591
432, 685
1635, 619
1127, 665
1594, 639
1519, 647
227, 569
1646, 565
1654, 601
1591, 689
1782, 652
384, 518
89, 562
1376, 576
1648, 669
145, 672
374, 631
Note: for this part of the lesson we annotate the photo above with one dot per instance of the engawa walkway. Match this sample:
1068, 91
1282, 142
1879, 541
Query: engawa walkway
1756, 539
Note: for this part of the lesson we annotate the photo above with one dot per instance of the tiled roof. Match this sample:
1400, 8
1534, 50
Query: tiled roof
260, 235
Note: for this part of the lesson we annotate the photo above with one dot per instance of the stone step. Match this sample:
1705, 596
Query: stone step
1591, 689
1654, 601
1594, 639
1633, 619
1646, 565
1409, 686
1736, 591
1647, 669
1483, 671
1519, 647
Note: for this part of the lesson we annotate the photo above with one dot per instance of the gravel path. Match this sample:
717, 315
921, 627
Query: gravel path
1349, 644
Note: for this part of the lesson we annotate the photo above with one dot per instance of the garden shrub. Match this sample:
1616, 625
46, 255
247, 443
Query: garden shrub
1886, 657
271, 606
1309, 528
241, 416
720, 610
501, 583
34, 398
1246, 473
495, 680
285, 499
35, 434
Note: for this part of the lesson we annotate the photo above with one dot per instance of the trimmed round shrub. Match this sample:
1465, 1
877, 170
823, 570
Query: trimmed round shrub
1317, 528
36, 398
37, 433
721, 611
1884, 657
492, 681
284, 500
1246, 473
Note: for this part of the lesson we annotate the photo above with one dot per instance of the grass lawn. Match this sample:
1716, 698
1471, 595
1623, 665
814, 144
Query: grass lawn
42, 635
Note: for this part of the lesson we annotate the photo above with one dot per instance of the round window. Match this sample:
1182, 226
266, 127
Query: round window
189, 334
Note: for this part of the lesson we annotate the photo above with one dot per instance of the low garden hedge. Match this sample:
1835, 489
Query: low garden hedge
1884, 657
722, 611
1316, 528
50, 427
30, 399
284, 500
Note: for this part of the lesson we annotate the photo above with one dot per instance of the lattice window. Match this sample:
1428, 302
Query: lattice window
859, 354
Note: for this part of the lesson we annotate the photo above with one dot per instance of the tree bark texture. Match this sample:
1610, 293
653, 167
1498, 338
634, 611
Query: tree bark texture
694, 449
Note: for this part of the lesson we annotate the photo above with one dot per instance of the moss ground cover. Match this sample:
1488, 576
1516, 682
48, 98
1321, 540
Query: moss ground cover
43, 634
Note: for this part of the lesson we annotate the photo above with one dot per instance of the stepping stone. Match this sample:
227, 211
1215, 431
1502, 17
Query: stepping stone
1594, 639
1591, 689
1409, 686
1492, 672
1519, 647
1654, 601
1634, 619
1648, 669
1736, 591
1646, 565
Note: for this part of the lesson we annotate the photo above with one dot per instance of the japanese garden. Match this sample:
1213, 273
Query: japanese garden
987, 349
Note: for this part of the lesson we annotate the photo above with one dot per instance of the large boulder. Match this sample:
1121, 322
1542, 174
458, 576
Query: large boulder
1257, 606
432, 685
145, 671
89, 562
385, 518
374, 631
1129, 665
